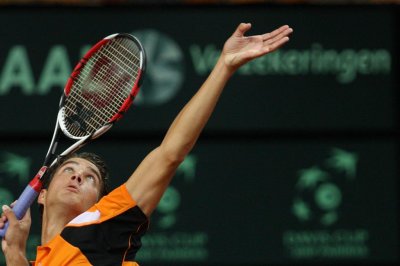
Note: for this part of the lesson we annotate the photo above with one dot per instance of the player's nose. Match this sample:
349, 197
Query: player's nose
77, 177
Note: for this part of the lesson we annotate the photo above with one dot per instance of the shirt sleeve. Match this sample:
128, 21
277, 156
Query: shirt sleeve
115, 203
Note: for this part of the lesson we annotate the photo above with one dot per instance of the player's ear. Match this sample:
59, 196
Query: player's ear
42, 196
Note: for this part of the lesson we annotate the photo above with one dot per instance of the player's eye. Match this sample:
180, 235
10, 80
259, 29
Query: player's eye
68, 169
91, 178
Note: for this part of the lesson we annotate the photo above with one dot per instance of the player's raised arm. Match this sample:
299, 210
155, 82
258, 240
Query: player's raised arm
149, 181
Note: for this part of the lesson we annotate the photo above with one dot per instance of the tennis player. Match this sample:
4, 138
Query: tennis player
82, 224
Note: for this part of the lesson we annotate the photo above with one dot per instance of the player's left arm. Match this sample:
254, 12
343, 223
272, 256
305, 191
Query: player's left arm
149, 181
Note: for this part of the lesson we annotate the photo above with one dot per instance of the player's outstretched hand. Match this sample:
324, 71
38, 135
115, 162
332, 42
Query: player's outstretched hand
240, 49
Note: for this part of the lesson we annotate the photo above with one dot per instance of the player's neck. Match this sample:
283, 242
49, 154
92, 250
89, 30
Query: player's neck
53, 223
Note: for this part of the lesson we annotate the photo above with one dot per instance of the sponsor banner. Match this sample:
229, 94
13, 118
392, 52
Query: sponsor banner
336, 73
253, 202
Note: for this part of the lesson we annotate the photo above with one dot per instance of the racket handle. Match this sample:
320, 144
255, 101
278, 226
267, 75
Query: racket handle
26, 199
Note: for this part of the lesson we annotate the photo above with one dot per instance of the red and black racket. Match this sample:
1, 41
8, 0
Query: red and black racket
100, 90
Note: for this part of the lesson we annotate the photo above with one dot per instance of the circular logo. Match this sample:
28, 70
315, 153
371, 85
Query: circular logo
170, 201
319, 195
165, 68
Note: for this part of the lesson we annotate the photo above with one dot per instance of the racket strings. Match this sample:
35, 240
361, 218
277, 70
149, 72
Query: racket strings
126, 57
118, 99
102, 86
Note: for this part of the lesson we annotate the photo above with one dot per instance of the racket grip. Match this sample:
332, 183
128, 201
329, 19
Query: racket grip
22, 205
26, 199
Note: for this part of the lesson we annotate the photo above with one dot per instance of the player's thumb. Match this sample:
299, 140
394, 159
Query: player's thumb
241, 29
9, 214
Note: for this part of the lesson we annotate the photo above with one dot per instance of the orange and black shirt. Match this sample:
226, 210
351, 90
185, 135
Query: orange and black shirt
108, 233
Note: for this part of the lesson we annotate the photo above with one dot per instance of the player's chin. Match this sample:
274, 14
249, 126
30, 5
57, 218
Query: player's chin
70, 198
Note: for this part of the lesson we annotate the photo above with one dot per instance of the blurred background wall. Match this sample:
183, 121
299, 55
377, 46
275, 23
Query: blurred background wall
299, 163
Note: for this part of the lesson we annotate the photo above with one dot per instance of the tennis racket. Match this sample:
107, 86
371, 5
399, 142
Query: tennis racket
99, 91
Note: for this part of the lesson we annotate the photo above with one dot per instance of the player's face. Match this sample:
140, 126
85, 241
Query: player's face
75, 185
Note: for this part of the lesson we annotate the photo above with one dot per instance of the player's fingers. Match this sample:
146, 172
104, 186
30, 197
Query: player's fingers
12, 204
273, 34
283, 33
27, 215
9, 214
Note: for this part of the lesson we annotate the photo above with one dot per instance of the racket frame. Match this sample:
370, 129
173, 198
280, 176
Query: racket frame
34, 187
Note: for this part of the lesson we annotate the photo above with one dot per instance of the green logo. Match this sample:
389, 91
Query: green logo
165, 68
319, 196
13, 165
318, 189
